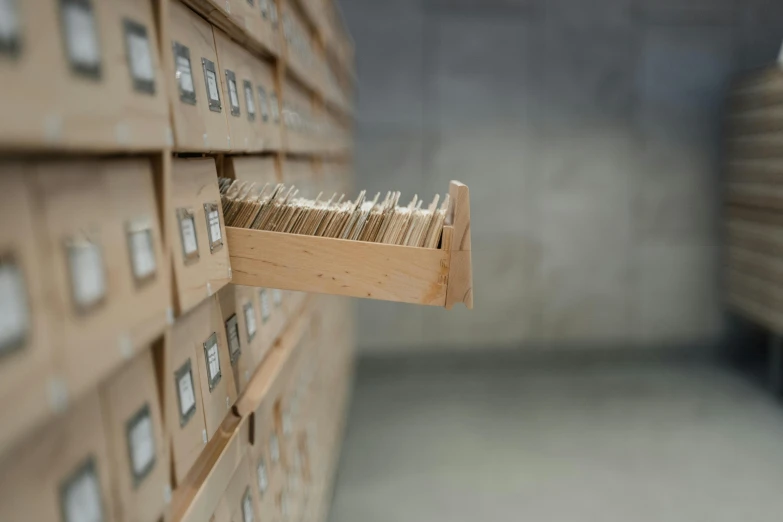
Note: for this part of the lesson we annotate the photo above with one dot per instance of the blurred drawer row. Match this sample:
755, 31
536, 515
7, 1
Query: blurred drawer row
117, 453
83, 276
82, 74
106, 459
223, 97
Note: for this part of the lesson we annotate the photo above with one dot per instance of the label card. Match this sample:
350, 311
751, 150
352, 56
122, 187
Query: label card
212, 213
251, 105
81, 37
263, 298
185, 393
274, 107
88, 275
141, 444
9, 27
187, 233
232, 333
140, 62
247, 507
264, 4
233, 97
184, 74
263, 103
277, 297
14, 306
212, 359
213, 91
142, 250
80, 495
263, 478
274, 449
250, 320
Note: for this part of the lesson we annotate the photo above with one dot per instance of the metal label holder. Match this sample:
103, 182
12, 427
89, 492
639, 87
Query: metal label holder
210, 73
138, 417
185, 370
137, 30
186, 214
182, 53
209, 345
233, 93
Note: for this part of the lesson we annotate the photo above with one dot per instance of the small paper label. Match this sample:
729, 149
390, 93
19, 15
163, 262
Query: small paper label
251, 105
187, 399
9, 22
250, 320
82, 496
141, 443
263, 479
14, 307
88, 278
142, 254
188, 228
263, 297
140, 57
274, 449
232, 93
81, 36
232, 333
214, 226
185, 75
247, 508
212, 85
277, 298
213, 359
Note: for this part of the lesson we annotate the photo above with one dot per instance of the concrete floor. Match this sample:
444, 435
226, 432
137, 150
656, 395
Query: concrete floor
626, 442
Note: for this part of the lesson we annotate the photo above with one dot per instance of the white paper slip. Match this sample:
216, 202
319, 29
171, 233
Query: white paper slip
212, 86
214, 226
251, 105
212, 355
188, 231
187, 397
88, 276
81, 500
247, 508
81, 36
277, 297
14, 307
263, 297
250, 320
185, 75
232, 92
9, 21
142, 254
263, 479
141, 444
140, 56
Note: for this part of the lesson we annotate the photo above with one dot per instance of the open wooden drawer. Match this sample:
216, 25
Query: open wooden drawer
427, 276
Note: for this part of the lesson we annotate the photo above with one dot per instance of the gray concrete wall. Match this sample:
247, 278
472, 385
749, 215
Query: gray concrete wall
588, 132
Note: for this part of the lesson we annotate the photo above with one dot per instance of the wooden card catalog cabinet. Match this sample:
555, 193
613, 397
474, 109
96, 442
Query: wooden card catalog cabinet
26, 367
203, 330
194, 86
81, 74
138, 451
199, 253
183, 407
61, 474
237, 79
101, 238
